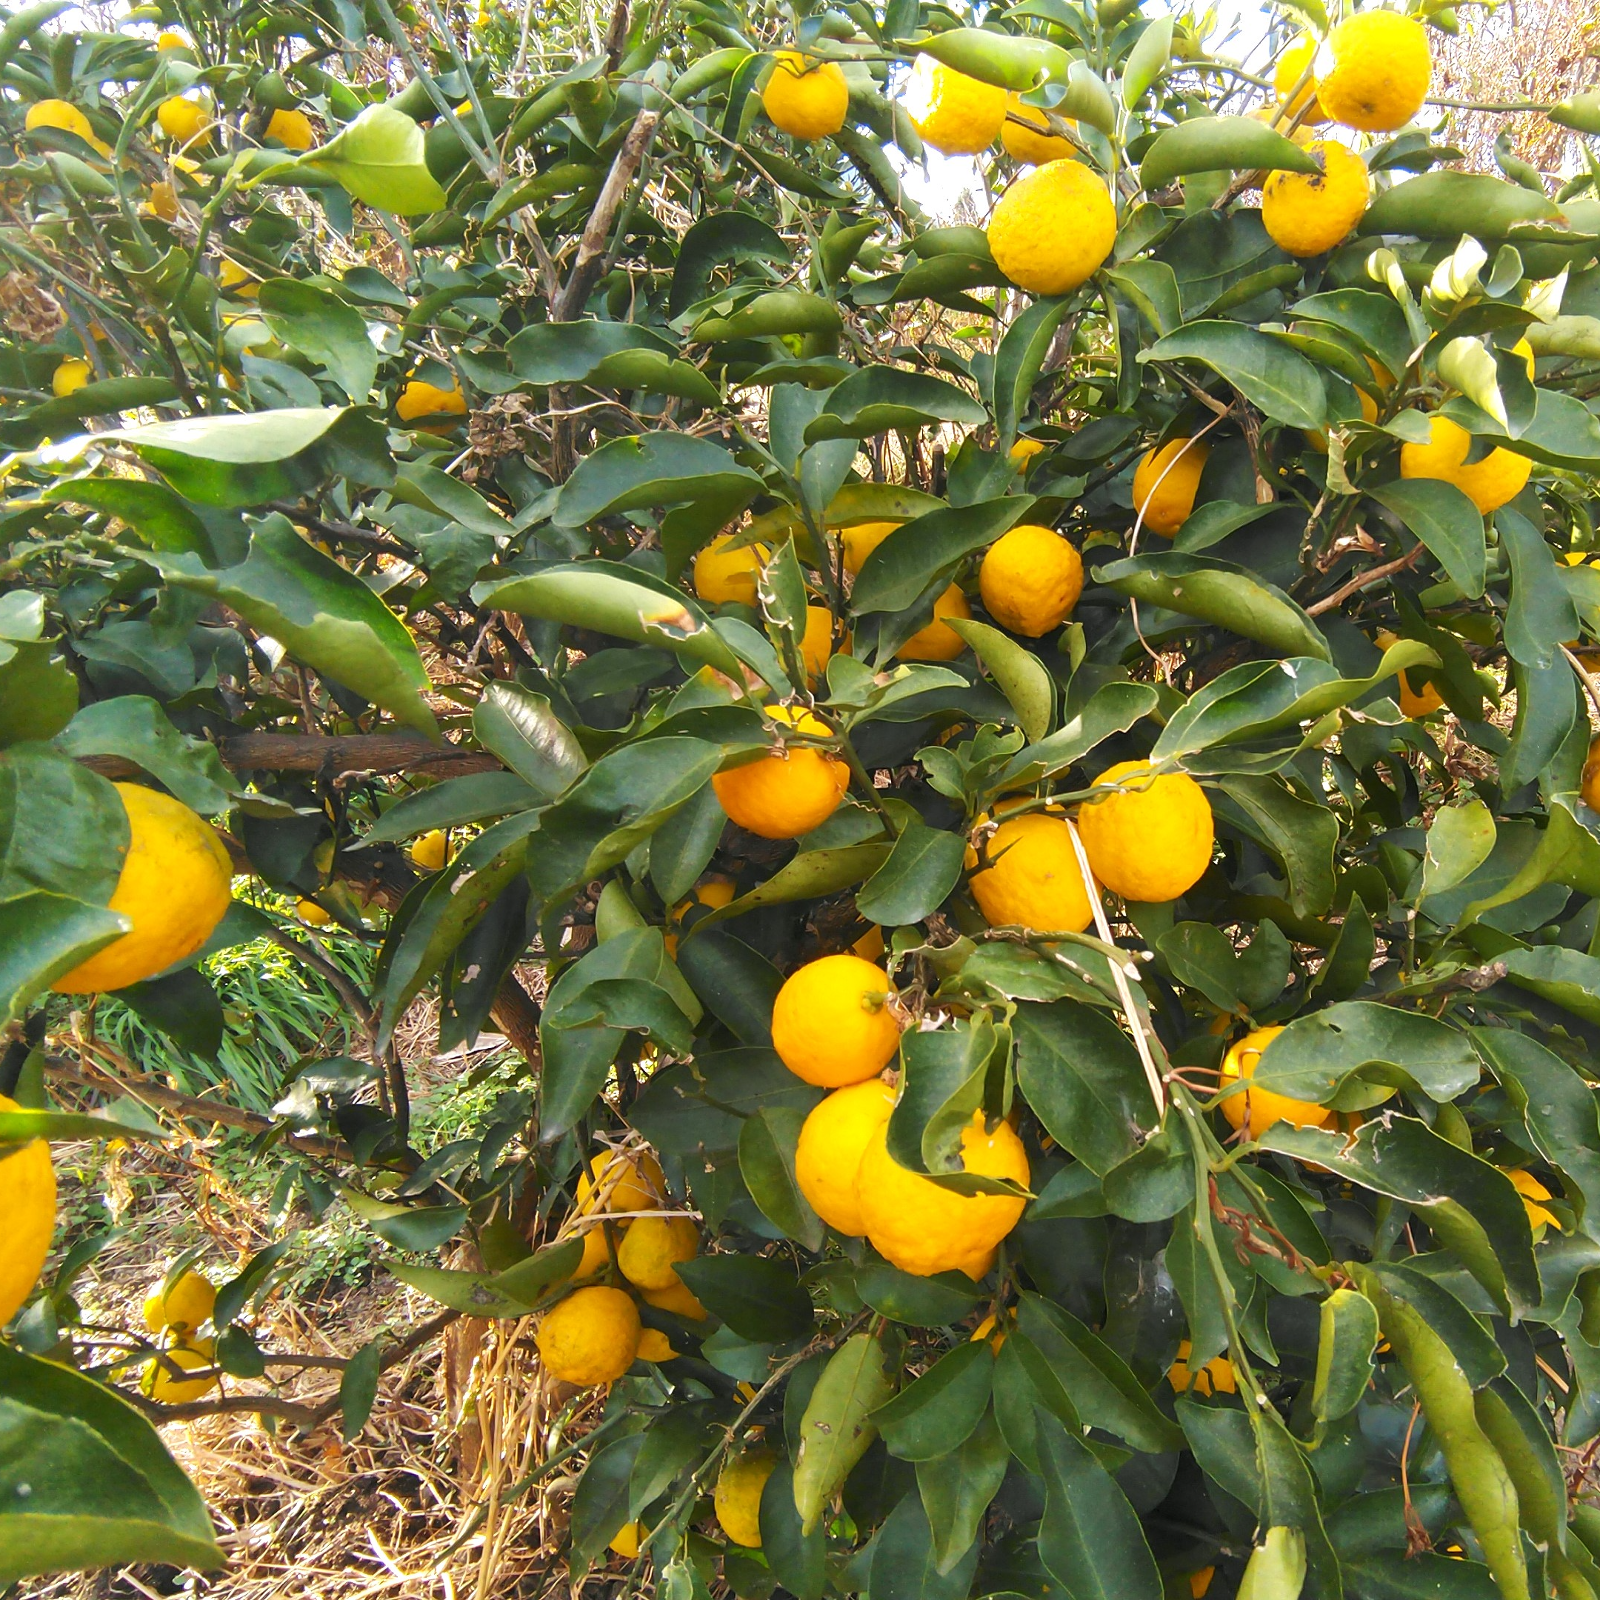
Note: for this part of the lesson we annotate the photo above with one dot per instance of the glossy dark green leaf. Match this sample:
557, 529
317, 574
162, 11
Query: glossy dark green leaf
328, 330
882, 398
810, 875
1443, 205
1018, 360
476, 797
716, 239
900, 568
654, 469
1446, 521
136, 728
918, 1302
757, 1297
917, 876
601, 1504
957, 1489
43, 937
766, 1162
1219, 144
520, 727
796, 1558
184, 1006
1472, 1343
1302, 834
1019, 674
905, 1565
933, 1415
736, 984
1540, 614
1090, 1540
1270, 374
1113, 708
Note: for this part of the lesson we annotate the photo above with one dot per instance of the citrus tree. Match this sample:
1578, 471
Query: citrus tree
1023, 791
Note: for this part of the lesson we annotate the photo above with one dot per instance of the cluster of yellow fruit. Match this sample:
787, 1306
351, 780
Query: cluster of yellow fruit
594, 1335
175, 1315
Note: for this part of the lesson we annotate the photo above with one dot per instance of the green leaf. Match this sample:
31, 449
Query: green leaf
568, 352
797, 1558
1150, 54
897, 572
318, 324
378, 159
1022, 677
757, 1297
1270, 374
1446, 521
737, 985
1460, 839
232, 460
810, 875
420, 1228
23, 1126
1372, 319
1090, 1540
1472, 1343
766, 1163
182, 1005
1315, 1053
1081, 1075
654, 469
1220, 593
1346, 1341
323, 616
716, 240
600, 1505
474, 1293
63, 828
933, 1415
904, 1565
155, 514
944, 1078
919, 873
837, 1429
882, 398
1565, 977
1202, 957
777, 313
38, 691
43, 937
525, 1281
1113, 708
86, 1482
918, 1302
1018, 362
1444, 205
1219, 144
1277, 1567
135, 727
520, 727
1469, 1204
957, 1490
1540, 614
1301, 833
474, 797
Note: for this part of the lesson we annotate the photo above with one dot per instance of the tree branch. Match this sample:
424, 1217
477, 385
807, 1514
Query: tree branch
331, 756
1362, 580
597, 231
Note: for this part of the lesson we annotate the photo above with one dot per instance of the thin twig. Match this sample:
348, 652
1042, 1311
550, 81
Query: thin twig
1363, 580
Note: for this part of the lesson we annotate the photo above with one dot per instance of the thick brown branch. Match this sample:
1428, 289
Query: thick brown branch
597, 231
329, 755
516, 1014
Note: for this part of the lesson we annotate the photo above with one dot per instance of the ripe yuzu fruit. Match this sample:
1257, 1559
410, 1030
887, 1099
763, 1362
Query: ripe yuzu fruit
1165, 483
737, 1500
28, 1204
1260, 1108
1380, 74
1030, 579
957, 115
787, 792
590, 1337
833, 1139
831, 1022
937, 641
1053, 227
807, 99
1307, 213
1035, 880
1489, 484
1151, 842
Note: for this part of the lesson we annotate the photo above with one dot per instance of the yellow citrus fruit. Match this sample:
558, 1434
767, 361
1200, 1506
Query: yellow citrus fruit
309, 912
784, 793
957, 115
1034, 144
1291, 67
174, 887
1499, 477
923, 1228
831, 1022
861, 540
597, 1253
636, 1182
723, 572
1261, 1107
677, 1298
654, 1345
1520, 348
1165, 483
184, 1306
70, 376
806, 98
163, 201
1591, 777
1417, 697
431, 851
738, 1496
292, 129
237, 280
1215, 1377
65, 117
194, 1355
652, 1248
870, 945
1381, 69
1024, 450
28, 1204
1053, 227
816, 646
937, 641
421, 399
833, 1139
1306, 213
184, 121
590, 1337
1035, 880
1152, 841
173, 39
1302, 135
1030, 579
1532, 1192
991, 1330
625, 1542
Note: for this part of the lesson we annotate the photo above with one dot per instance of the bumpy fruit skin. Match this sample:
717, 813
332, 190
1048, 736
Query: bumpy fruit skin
193, 1356
923, 1228
861, 540
174, 887
184, 1306
1260, 1107
184, 121
291, 129
1381, 70
678, 1298
722, 573
833, 1139
28, 1205
738, 1497
421, 399
1291, 66
652, 1248
590, 1337
1150, 843
957, 115
639, 1184
1034, 144
1307, 213
1591, 777
1053, 228
1488, 484
831, 1022
816, 645
66, 118
1165, 483
70, 376
1035, 881
1031, 579
431, 851
938, 641
806, 99
1215, 1377
782, 795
